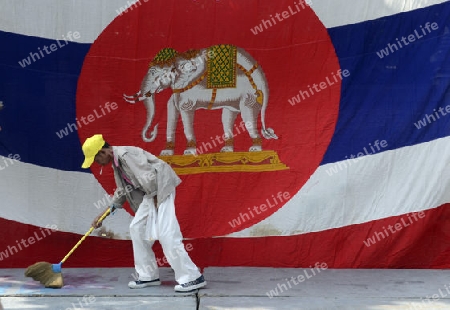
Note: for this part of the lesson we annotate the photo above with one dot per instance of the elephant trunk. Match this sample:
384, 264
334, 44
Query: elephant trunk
149, 103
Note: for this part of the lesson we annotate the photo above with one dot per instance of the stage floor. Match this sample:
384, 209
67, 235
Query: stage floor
235, 288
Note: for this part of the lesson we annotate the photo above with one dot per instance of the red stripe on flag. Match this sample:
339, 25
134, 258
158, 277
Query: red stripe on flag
422, 243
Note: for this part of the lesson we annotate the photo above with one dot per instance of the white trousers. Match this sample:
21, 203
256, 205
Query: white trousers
170, 238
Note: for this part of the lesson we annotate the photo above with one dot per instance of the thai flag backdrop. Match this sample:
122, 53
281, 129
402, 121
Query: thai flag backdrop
358, 96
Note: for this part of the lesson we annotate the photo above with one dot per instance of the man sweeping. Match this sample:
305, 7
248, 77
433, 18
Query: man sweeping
148, 184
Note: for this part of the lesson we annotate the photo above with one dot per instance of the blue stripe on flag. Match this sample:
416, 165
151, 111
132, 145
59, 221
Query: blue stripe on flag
384, 97
39, 100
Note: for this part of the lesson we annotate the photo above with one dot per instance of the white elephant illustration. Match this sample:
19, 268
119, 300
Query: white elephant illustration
186, 74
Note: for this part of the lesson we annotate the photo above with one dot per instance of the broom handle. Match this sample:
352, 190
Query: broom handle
85, 235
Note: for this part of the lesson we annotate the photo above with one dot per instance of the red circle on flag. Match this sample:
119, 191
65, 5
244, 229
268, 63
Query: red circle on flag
295, 52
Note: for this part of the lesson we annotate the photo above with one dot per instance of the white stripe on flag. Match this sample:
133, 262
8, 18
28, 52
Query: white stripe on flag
44, 197
382, 185
391, 183
53, 19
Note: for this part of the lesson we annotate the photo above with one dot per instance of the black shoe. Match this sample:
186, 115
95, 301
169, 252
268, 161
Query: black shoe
190, 286
141, 284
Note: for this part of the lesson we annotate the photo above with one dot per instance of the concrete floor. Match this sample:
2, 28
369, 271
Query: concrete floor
235, 288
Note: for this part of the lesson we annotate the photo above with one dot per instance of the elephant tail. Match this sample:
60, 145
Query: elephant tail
267, 133
262, 99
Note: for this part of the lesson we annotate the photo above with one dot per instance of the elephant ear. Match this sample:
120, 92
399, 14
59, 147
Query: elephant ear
186, 66
189, 69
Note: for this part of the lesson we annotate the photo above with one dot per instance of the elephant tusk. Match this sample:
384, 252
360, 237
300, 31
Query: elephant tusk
134, 96
130, 101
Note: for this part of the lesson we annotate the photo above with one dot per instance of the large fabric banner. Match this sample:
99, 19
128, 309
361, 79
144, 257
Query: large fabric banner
303, 131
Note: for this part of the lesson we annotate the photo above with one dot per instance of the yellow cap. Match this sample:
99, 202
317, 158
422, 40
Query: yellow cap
90, 148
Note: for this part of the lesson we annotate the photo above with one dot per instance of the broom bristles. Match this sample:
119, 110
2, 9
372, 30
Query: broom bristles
54, 281
43, 272
36, 269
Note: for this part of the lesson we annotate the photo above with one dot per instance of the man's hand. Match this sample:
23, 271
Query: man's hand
95, 223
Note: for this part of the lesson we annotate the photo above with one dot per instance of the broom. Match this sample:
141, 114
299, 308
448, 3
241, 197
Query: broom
50, 274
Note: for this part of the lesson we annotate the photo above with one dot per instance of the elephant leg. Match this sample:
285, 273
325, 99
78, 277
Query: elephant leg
228, 119
188, 124
250, 117
172, 119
